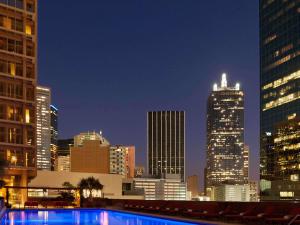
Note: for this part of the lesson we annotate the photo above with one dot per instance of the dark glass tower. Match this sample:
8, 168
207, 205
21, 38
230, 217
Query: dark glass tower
64, 146
54, 136
166, 143
225, 136
279, 71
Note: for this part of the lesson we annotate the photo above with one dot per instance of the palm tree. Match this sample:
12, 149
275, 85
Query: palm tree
90, 184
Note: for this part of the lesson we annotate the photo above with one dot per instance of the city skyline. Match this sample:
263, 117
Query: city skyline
198, 65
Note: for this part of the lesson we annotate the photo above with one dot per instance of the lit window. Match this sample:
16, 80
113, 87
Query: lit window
28, 30
27, 116
12, 67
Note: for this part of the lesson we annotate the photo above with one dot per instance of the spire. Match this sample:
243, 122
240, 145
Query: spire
224, 81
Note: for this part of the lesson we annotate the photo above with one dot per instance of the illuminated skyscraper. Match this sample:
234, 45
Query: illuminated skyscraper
54, 136
18, 66
225, 135
279, 71
43, 115
166, 143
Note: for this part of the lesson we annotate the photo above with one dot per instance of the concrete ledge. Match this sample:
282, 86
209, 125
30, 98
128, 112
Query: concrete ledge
168, 217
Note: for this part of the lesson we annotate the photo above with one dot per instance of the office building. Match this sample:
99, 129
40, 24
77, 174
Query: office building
267, 157
253, 191
43, 115
90, 153
169, 188
193, 186
90, 136
225, 135
54, 136
231, 193
279, 73
63, 146
122, 160
63, 163
166, 143
18, 76
287, 150
139, 171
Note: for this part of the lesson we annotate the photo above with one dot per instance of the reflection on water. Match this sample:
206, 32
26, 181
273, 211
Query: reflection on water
80, 217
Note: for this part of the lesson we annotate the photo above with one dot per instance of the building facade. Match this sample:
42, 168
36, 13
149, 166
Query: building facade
54, 136
225, 135
90, 153
246, 157
193, 186
122, 160
43, 132
18, 77
170, 188
231, 193
287, 150
63, 146
279, 70
139, 171
166, 143
63, 163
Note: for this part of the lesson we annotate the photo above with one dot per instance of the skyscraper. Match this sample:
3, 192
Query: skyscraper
225, 135
166, 143
18, 66
279, 70
54, 136
43, 115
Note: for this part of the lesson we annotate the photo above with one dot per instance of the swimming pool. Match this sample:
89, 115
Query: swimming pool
82, 217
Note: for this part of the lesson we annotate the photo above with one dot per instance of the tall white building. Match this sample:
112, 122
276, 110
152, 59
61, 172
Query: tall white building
43, 115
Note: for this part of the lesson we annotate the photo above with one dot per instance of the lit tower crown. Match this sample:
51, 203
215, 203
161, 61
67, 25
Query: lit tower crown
224, 81
224, 84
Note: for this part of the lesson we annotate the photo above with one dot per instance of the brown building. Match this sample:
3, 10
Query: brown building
18, 66
90, 157
193, 186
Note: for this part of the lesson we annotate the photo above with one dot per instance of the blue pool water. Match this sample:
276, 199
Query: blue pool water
81, 217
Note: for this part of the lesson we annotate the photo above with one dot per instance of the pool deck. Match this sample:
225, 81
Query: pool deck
176, 218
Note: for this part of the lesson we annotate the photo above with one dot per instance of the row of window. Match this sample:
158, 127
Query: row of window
19, 4
16, 113
18, 157
16, 69
15, 90
16, 46
12, 23
14, 135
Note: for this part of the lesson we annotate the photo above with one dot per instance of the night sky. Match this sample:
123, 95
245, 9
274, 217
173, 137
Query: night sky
108, 62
